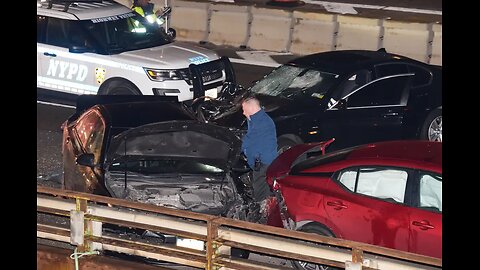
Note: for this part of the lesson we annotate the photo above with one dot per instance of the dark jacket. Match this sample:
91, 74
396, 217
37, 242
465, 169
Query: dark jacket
260, 142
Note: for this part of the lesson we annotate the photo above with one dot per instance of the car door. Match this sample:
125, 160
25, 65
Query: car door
332, 122
85, 136
60, 69
367, 205
426, 218
374, 112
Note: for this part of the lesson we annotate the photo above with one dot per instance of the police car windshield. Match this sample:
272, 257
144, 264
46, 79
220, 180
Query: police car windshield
126, 32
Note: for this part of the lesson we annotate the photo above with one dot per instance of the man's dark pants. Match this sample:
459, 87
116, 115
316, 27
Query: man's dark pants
261, 190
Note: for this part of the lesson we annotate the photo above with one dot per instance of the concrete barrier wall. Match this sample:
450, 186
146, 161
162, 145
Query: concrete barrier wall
229, 24
127, 3
313, 32
157, 3
359, 33
300, 32
437, 45
408, 39
190, 20
270, 29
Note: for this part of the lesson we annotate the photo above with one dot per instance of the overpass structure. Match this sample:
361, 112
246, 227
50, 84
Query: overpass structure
205, 240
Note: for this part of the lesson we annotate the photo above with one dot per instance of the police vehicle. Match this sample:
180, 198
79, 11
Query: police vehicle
103, 47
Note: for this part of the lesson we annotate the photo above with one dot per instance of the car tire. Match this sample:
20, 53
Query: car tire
319, 229
285, 143
121, 88
432, 126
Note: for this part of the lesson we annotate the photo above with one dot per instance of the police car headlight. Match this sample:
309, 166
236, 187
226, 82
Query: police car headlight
162, 75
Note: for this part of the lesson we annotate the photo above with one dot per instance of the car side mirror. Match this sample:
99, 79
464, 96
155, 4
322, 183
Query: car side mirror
172, 33
86, 159
342, 104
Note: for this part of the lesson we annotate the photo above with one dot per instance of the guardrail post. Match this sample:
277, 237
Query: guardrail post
357, 255
212, 244
357, 260
81, 207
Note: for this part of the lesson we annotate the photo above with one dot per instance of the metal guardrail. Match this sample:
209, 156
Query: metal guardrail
88, 213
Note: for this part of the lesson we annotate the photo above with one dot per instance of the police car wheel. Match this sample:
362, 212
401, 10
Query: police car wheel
121, 91
121, 88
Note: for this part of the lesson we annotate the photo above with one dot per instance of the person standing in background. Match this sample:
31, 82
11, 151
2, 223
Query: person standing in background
260, 148
150, 12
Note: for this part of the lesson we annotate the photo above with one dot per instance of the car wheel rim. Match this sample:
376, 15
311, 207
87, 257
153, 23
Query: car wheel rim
435, 130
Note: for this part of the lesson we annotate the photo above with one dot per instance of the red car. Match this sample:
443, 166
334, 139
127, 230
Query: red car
387, 194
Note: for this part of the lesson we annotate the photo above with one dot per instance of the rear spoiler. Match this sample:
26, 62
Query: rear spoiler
198, 72
297, 153
86, 101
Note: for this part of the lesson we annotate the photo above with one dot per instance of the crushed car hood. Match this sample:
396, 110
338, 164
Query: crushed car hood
188, 139
198, 188
175, 55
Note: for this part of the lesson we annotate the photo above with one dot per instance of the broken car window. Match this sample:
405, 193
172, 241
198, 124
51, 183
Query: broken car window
291, 81
90, 130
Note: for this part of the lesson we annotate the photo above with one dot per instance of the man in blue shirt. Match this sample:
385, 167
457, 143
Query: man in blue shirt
260, 148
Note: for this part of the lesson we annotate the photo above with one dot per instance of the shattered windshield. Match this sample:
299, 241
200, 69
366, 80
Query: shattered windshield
126, 32
292, 81
166, 166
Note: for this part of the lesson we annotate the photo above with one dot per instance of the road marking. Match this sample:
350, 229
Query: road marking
258, 58
56, 104
347, 8
337, 8
254, 63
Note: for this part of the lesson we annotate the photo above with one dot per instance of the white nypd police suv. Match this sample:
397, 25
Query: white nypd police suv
103, 47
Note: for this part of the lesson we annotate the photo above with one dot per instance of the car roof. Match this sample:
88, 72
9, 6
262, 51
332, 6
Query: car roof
412, 150
420, 154
80, 10
345, 61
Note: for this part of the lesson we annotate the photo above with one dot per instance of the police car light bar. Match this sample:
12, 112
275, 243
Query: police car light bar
67, 3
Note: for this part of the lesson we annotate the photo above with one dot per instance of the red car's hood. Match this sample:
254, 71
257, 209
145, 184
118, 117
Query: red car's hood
282, 164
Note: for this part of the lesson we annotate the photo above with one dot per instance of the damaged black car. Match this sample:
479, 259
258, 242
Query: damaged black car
154, 150
354, 96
